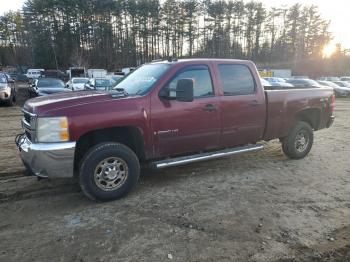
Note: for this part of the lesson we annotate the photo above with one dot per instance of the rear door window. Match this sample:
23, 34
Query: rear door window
236, 80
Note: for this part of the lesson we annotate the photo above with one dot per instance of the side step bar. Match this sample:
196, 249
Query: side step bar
205, 156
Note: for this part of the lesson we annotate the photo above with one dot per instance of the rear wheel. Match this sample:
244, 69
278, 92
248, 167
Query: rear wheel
299, 142
109, 171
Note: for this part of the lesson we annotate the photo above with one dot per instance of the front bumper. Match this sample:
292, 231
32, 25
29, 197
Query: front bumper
51, 160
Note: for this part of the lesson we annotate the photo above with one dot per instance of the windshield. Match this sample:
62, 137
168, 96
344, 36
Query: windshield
2, 78
343, 84
142, 79
50, 83
312, 82
80, 80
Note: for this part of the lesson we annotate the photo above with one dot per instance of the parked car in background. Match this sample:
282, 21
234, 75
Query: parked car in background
47, 86
265, 83
100, 84
117, 78
277, 81
345, 78
22, 78
342, 83
77, 83
329, 78
300, 77
7, 89
19, 77
55, 74
338, 90
303, 83
34, 73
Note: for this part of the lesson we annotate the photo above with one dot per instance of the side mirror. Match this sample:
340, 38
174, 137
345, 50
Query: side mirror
11, 81
184, 90
89, 86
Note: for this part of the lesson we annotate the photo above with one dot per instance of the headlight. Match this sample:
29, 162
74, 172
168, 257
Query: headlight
52, 129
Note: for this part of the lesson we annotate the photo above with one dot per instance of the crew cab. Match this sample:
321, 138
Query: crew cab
163, 114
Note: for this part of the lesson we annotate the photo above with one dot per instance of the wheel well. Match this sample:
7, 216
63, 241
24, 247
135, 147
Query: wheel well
129, 136
311, 116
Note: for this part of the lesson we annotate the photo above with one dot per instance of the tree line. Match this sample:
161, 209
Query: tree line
115, 33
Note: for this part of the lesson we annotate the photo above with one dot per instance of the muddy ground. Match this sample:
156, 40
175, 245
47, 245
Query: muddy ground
255, 207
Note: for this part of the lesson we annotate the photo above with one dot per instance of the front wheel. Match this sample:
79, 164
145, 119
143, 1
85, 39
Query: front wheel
12, 99
299, 142
109, 171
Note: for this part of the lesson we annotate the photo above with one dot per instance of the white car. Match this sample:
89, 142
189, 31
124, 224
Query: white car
345, 78
34, 73
77, 83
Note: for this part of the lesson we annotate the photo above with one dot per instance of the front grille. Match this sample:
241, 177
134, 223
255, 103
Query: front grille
27, 117
29, 122
28, 135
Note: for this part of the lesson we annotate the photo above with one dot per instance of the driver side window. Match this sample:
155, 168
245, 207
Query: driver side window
202, 84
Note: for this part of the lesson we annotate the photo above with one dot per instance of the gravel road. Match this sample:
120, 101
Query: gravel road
255, 207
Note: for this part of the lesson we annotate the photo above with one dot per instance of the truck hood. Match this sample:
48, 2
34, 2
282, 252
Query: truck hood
44, 104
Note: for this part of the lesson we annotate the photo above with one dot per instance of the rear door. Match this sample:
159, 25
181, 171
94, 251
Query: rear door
243, 109
184, 127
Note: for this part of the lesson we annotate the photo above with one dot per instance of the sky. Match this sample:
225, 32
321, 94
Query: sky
337, 11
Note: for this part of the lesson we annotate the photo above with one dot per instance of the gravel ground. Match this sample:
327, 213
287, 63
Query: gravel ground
254, 207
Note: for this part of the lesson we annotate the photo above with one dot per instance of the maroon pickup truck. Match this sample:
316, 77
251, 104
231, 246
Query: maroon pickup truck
165, 114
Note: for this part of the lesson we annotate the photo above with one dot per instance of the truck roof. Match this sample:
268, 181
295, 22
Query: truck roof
197, 60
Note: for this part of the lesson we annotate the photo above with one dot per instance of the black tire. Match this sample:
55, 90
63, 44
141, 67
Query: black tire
291, 144
92, 186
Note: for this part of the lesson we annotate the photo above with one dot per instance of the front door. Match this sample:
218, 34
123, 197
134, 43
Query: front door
185, 127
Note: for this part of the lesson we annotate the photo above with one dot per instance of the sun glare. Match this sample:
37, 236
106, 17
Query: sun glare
328, 50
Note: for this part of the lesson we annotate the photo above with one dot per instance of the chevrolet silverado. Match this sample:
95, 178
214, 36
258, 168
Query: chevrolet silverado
163, 114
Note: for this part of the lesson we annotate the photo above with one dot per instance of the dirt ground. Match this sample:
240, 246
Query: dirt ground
255, 207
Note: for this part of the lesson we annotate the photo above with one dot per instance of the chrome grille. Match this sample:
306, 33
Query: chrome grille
27, 117
28, 124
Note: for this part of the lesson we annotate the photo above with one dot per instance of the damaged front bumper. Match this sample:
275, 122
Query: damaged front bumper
52, 160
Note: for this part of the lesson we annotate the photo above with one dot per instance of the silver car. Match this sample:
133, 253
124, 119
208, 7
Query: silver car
7, 89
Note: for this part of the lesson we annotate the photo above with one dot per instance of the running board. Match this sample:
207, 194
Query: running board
205, 156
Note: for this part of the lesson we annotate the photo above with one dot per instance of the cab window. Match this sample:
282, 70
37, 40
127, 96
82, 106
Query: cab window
236, 80
202, 84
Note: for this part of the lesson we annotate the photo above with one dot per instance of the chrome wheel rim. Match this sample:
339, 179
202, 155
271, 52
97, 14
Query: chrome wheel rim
301, 141
111, 173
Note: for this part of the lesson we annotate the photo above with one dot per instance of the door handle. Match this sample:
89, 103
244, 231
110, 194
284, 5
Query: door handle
209, 108
254, 103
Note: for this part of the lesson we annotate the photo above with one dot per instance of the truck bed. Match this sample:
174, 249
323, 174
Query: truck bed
285, 106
